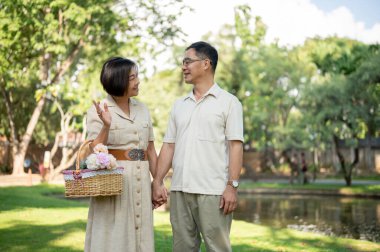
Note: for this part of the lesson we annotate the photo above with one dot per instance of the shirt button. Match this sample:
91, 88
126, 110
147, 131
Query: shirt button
137, 228
138, 216
138, 179
138, 191
138, 203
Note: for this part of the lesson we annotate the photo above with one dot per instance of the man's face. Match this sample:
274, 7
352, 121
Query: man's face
191, 66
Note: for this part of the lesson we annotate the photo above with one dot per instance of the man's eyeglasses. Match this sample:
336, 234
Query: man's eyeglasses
188, 61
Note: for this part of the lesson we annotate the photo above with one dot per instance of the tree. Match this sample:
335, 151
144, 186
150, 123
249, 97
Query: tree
267, 79
44, 42
341, 107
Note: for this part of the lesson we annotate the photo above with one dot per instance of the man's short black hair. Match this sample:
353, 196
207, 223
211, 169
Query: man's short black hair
115, 75
205, 50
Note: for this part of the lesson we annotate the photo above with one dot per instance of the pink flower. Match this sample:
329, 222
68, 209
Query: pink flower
102, 160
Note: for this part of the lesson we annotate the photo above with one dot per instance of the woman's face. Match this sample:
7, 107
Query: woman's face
134, 82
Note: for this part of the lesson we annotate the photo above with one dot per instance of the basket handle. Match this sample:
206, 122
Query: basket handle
77, 163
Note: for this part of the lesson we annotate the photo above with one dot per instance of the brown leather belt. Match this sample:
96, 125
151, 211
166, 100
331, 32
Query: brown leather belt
130, 154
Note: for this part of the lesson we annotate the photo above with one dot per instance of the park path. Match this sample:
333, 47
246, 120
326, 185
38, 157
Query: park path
25, 180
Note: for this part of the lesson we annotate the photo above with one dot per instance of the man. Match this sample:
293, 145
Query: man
203, 144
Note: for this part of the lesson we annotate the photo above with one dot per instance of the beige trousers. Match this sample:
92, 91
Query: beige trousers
193, 215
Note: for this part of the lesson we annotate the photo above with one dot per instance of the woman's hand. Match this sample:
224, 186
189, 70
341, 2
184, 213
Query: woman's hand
103, 114
159, 194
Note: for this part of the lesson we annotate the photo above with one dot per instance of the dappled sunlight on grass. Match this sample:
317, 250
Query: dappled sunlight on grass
74, 238
24, 236
45, 223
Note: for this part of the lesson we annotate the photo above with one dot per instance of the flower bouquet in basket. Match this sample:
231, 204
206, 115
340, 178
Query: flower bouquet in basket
100, 176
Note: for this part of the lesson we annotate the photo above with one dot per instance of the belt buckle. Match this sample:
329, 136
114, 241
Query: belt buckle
136, 154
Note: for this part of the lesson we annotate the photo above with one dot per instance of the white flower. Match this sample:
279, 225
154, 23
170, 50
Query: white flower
113, 162
100, 148
91, 162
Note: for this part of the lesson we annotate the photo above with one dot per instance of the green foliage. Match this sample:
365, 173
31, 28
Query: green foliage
55, 48
267, 79
347, 104
159, 94
336, 55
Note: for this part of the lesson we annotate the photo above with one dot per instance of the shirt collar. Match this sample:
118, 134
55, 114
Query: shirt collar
112, 104
214, 91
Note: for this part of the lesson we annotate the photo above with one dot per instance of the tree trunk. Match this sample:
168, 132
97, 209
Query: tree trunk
348, 180
19, 151
347, 170
69, 152
293, 164
316, 163
18, 163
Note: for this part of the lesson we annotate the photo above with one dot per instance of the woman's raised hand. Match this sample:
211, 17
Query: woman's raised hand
103, 114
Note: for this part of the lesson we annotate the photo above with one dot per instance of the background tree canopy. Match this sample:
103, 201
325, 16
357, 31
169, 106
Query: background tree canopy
49, 47
309, 97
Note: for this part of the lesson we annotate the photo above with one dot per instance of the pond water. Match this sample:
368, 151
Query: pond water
355, 218
335, 216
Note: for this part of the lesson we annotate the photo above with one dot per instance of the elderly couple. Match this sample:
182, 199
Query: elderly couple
203, 144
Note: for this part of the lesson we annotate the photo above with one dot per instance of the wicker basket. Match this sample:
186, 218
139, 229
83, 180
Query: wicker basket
90, 183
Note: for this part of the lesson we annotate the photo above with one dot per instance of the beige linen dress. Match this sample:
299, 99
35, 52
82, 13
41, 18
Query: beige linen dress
123, 223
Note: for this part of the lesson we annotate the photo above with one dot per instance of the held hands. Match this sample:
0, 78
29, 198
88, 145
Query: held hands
228, 201
103, 114
159, 194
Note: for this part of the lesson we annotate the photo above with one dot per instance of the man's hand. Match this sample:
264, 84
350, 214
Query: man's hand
159, 194
228, 201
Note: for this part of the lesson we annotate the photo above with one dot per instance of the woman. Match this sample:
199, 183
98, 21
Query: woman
123, 223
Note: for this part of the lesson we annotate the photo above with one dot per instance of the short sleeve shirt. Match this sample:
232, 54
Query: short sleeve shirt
201, 131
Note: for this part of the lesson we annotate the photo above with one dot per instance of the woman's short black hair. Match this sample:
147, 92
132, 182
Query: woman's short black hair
205, 50
115, 75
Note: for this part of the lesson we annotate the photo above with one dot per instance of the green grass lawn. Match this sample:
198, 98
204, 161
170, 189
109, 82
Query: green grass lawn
354, 177
354, 189
31, 219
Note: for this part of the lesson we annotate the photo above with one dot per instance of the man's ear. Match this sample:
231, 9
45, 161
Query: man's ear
206, 64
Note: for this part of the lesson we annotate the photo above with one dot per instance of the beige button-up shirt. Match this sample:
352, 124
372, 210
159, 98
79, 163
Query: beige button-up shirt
200, 131
126, 132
